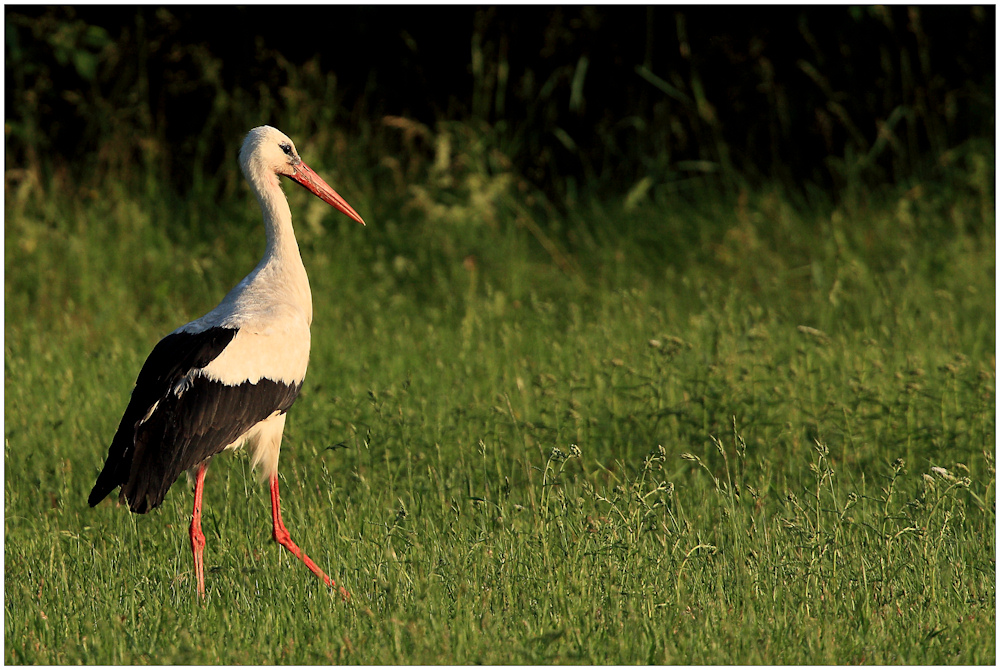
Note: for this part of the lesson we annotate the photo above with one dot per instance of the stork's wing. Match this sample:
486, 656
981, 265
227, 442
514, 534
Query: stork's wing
178, 416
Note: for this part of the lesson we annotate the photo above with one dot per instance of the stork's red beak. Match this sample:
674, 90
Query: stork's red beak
305, 175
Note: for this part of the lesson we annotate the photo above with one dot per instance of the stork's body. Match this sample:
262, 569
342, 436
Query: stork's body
227, 379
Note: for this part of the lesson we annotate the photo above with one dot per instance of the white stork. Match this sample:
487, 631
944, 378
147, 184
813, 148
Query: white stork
228, 378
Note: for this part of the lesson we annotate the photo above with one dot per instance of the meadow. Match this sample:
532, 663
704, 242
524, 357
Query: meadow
691, 428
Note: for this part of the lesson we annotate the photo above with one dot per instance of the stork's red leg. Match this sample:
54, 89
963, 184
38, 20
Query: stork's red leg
197, 537
282, 537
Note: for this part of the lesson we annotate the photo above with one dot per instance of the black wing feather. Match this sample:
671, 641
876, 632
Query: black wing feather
172, 358
147, 454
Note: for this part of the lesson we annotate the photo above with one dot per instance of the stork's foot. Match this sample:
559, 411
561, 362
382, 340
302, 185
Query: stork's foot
282, 537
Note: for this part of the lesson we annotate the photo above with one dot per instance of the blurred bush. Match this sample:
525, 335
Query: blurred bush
560, 103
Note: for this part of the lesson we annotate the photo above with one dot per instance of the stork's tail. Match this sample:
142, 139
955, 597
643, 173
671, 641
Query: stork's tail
119, 462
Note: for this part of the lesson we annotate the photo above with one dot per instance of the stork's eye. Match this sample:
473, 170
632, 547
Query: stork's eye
287, 148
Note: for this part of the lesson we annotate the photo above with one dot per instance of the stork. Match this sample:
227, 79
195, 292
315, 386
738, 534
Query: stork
227, 379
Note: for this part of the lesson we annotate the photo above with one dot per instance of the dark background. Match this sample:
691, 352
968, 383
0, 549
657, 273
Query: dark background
581, 101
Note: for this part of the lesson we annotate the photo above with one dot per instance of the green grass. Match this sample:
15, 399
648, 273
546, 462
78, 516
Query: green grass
784, 427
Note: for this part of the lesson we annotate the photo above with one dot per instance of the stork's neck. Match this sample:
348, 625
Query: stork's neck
281, 243
281, 255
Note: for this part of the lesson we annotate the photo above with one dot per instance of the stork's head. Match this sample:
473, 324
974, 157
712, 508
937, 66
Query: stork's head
268, 153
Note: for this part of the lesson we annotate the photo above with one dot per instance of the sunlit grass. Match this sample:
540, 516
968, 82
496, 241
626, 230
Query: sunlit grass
731, 433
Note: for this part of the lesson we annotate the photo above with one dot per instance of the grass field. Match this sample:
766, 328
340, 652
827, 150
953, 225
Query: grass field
740, 431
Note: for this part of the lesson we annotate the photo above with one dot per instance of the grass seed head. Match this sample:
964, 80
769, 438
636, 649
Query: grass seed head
820, 447
943, 474
718, 445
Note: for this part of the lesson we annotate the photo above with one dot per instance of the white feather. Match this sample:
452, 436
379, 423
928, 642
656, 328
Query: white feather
264, 444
